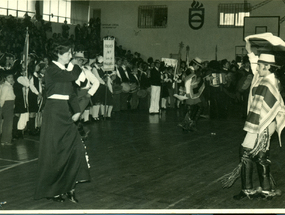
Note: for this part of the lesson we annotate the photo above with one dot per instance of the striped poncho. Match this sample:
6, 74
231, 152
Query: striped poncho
265, 103
192, 82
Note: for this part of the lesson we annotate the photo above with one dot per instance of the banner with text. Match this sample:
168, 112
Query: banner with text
170, 62
109, 54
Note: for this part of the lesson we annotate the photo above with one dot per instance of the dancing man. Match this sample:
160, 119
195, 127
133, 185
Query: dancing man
194, 86
265, 115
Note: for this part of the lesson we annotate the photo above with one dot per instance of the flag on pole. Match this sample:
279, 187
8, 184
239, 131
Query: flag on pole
26, 52
25, 68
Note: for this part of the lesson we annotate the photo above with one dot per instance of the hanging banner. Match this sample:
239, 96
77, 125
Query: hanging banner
173, 63
109, 54
170, 62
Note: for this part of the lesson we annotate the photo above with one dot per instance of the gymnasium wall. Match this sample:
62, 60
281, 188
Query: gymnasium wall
119, 19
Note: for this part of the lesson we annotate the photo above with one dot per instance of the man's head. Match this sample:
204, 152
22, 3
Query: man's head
225, 64
264, 64
119, 61
157, 63
196, 63
79, 58
9, 77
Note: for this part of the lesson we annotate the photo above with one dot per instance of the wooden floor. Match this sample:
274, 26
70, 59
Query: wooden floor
145, 162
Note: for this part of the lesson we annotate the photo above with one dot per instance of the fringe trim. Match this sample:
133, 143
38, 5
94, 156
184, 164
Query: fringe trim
229, 179
272, 181
262, 143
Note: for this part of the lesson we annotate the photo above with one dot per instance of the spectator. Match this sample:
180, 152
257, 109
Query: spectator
7, 100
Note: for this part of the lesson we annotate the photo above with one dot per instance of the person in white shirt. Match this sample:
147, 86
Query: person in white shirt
22, 87
87, 82
34, 96
88, 85
103, 98
7, 99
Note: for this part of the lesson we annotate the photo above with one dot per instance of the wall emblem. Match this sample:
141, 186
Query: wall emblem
196, 15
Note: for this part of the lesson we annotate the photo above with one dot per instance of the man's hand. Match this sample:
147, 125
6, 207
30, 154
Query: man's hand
75, 117
40, 97
74, 61
248, 46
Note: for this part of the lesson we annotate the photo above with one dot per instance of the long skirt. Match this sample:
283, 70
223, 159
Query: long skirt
102, 96
33, 102
62, 161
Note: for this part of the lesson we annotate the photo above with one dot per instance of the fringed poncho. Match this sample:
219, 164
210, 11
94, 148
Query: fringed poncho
265, 103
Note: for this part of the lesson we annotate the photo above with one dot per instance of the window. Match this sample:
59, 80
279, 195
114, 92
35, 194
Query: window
152, 17
17, 8
57, 10
232, 15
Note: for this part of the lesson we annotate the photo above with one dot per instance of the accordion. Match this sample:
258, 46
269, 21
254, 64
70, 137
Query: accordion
218, 78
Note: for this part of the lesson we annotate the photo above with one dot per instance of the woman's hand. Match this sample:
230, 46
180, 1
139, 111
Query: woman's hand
75, 117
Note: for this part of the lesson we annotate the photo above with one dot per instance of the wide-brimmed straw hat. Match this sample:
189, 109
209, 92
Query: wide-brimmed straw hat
198, 61
267, 59
80, 55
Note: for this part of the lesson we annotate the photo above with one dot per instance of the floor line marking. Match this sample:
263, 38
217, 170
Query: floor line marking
175, 203
31, 140
18, 164
9, 160
183, 199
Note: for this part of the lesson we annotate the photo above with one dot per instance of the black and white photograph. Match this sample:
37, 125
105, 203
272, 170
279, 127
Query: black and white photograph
142, 107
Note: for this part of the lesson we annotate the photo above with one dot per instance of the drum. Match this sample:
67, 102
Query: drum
126, 87
142, 93
117, 89
133, 87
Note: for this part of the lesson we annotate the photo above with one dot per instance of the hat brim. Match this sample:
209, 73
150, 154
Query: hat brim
81, 58
199, 64
265, 62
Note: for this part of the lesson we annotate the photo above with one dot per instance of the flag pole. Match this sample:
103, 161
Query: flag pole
26, 51
25, 63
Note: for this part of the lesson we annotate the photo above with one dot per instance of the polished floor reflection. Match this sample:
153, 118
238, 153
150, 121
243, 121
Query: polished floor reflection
142, 161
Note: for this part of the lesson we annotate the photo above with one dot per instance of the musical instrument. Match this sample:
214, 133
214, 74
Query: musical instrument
133, 87
126, 87
142, 93
218, 78
117, 89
